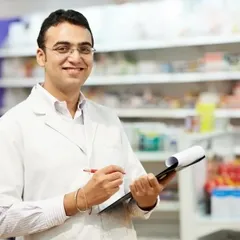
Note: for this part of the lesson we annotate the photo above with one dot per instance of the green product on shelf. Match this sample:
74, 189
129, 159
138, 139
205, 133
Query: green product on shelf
150, 141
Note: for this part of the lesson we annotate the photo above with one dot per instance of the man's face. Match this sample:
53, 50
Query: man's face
68, 56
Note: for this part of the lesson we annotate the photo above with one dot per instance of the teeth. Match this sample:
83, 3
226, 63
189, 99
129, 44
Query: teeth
73, 68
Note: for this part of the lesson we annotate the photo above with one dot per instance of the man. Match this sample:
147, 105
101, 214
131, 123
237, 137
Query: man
51, 141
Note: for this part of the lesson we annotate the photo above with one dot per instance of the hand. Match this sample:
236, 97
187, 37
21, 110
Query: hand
146, 189
103, 184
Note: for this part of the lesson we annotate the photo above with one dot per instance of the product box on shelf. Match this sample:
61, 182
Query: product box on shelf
151, 137
225, 202
222, 188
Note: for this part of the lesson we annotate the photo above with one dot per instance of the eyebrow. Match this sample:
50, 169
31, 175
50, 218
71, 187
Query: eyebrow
61, 43
68, 43
85, 43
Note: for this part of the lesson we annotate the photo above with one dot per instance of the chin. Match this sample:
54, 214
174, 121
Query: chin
74, 82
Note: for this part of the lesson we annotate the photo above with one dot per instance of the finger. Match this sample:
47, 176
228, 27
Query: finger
111, 169
115, 184
164, 182
151, 178
133, 189
138, 186
114, 176
154, 182
145, 183
113, 190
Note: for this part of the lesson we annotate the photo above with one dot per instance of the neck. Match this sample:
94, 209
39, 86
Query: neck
70, 97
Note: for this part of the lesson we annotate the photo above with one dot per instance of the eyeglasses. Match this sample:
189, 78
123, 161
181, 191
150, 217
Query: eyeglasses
66, 51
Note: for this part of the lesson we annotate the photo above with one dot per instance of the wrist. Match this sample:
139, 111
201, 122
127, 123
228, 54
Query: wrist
80, 195
147, 206
69, 204
74, 202
80, 200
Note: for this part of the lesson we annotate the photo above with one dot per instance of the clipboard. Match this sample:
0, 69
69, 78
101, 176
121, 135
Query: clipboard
160, 176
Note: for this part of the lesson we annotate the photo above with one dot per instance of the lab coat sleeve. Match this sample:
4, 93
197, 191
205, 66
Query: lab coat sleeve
19, 218
134, 170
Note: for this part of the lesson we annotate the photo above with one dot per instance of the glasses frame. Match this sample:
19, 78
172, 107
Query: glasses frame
93, 50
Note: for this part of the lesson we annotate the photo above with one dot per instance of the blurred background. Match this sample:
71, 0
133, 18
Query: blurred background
171, 70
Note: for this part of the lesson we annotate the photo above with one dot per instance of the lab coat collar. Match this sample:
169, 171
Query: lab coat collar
42, 108
52, 101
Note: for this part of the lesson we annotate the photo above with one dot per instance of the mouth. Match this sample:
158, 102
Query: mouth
73, 69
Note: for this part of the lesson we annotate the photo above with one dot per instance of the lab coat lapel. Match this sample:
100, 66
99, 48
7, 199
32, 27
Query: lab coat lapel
51, 119
90, 127
56, 123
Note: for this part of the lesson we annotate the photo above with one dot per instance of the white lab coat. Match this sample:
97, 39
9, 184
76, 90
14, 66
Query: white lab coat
41, 160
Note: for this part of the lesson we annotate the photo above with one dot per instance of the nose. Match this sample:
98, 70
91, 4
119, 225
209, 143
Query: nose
75, 55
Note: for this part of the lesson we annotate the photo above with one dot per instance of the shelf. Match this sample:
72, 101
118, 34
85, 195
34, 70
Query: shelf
200, 137
134, 79
23, 51
167, 43
20, 51
163, 78
154, 113
170, 113
19, 83
166, 113
237, 151
207, 224
153, 156
168, 206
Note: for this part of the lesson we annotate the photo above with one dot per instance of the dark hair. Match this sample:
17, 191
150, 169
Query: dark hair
60, 16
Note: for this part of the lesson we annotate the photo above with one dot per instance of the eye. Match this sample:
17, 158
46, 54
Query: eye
62, 49
85, 49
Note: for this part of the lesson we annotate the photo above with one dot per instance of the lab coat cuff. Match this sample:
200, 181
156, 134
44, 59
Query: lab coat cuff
55, 212
136, 211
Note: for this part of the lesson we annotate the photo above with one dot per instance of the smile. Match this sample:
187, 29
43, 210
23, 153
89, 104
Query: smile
73, 69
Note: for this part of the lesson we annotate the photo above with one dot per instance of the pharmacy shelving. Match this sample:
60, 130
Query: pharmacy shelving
193, 223
163, 78
30, 50
171, 113
158, 113
169, 43
207, 224
168, 206
237, 150
135, 79
153, 156
19, 82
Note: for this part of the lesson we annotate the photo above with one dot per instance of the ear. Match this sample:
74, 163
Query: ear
41, 57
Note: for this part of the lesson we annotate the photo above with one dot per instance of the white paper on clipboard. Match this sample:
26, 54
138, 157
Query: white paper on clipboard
186, 157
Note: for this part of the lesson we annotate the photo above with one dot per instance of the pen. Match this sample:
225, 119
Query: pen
92, 170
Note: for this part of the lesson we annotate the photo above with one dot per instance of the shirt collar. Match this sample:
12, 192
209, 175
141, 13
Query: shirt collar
53, 101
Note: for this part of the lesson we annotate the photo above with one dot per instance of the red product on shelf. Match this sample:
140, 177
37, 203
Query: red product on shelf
222, 175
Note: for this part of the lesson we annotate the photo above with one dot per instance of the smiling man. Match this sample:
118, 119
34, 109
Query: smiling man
51, 141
